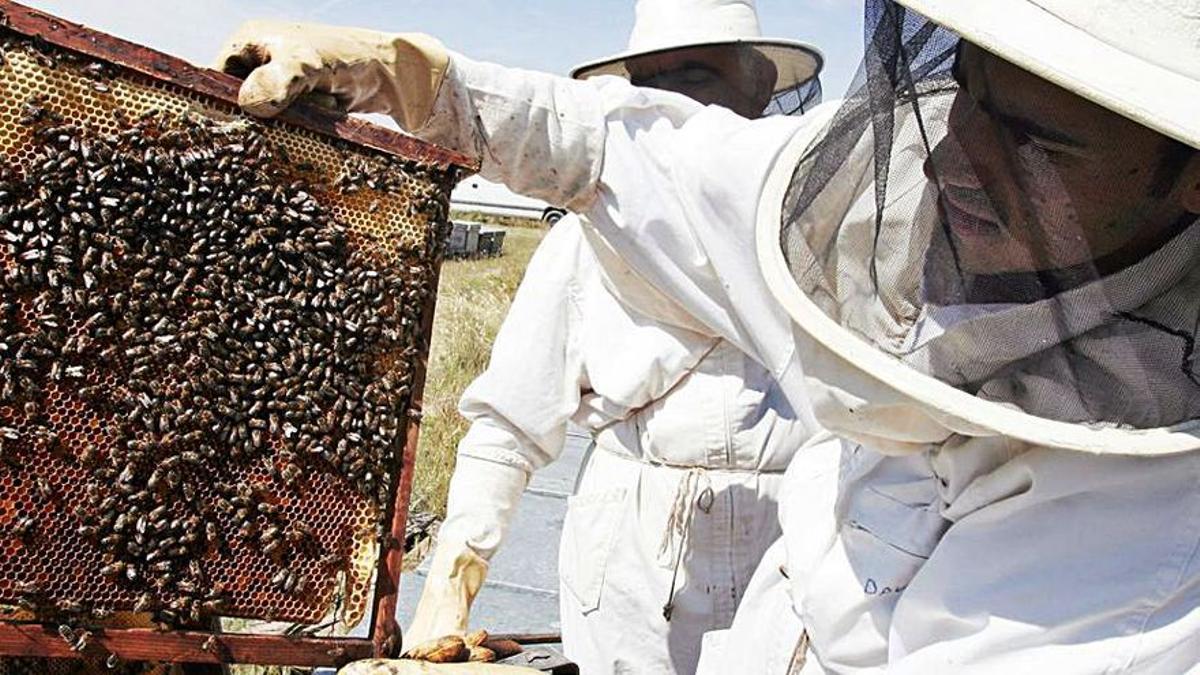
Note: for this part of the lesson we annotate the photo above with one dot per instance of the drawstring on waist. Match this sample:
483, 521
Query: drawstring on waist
679, 524
694, 491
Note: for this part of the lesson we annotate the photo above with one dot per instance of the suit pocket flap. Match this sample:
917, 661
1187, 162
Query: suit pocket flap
589, 533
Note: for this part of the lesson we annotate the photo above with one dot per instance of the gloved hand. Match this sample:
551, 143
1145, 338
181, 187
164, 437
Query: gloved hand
483, 497
455, 577
366, 71
476, 646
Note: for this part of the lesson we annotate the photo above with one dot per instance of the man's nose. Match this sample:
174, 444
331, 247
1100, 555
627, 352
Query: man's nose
948, 162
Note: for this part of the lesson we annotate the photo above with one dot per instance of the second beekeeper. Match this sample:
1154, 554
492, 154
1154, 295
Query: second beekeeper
677, 499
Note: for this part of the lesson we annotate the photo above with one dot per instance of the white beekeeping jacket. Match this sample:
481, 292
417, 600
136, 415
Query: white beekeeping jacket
676, 411
568, 350
571, 351
607, 150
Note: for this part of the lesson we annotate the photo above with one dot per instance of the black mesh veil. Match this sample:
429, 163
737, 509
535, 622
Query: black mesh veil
1000, 234
796, 100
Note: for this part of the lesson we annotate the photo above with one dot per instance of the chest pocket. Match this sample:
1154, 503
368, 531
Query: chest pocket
888, 525
903, 517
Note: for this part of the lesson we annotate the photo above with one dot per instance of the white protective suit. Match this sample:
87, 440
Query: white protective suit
691, 441
974, 550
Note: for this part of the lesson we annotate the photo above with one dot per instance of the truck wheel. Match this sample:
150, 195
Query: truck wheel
553, 214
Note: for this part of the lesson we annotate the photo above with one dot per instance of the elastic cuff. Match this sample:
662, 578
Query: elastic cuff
502, 456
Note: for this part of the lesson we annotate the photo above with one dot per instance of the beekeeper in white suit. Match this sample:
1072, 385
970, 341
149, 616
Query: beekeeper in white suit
989, 258
677, 501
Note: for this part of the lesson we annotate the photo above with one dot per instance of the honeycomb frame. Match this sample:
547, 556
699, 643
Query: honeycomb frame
145, 80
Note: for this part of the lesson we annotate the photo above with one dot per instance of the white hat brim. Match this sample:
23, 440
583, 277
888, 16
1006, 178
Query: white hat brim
796, 62
1026, 35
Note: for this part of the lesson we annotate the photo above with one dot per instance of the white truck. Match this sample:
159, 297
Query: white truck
477, 194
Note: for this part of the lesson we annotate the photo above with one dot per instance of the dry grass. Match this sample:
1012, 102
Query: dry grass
473, 298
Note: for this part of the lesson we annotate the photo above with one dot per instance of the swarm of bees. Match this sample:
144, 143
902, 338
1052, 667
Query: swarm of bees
182, 280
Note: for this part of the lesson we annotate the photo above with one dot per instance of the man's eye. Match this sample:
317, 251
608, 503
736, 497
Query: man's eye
696, 75
1049, 147
686, 76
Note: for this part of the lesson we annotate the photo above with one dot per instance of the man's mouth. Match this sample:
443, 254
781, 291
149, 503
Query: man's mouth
969, 212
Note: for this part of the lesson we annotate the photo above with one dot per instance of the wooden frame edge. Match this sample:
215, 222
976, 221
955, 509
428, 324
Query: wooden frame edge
147, 644
385, 631
173, 70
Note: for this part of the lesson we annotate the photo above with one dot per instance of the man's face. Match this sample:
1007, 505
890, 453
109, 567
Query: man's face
1036, 178
730, 76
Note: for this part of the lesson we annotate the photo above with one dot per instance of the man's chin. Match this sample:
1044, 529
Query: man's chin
991, 256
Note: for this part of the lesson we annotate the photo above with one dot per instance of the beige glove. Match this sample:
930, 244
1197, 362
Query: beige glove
406, 667
366, 71
483, 498
455, 577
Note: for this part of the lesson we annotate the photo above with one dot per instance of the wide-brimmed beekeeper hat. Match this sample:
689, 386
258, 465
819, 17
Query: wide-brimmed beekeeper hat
668, 25
1140, 58
887, 231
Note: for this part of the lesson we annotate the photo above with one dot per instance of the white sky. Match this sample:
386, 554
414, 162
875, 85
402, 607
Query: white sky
548, 35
